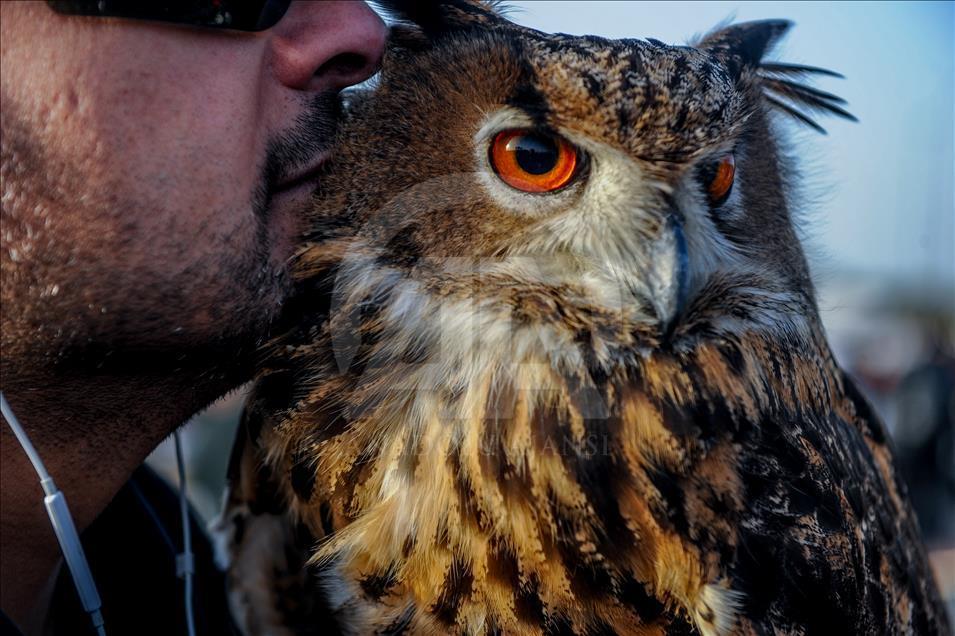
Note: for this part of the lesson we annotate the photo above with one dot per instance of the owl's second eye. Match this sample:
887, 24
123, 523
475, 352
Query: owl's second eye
718, 179
533, 162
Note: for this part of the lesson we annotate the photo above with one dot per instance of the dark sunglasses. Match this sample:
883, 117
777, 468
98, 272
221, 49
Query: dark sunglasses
238, 15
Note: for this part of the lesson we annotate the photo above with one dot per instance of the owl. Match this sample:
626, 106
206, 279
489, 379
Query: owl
555, 365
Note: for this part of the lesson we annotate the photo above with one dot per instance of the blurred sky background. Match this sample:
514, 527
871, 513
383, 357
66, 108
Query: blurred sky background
879, 224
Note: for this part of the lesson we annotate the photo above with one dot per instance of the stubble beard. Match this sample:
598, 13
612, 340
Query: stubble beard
203, 325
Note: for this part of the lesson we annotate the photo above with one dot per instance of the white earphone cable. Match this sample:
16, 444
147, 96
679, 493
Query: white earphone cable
185, 562
63, 525
69, 539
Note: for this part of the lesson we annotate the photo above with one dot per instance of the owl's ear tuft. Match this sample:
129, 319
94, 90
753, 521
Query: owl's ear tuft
438, 17
746, 43
743, 46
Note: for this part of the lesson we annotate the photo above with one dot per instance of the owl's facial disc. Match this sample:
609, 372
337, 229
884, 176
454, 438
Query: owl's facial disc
606, 222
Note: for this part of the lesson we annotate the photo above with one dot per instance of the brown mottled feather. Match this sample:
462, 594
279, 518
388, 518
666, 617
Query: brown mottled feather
458, 433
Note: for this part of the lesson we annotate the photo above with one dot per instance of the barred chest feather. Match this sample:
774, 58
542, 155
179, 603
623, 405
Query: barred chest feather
491, 456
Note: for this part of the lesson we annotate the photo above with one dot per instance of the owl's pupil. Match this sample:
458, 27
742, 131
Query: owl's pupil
535, 154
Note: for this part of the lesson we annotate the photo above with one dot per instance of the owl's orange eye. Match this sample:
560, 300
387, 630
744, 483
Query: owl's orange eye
721, 182
533, 162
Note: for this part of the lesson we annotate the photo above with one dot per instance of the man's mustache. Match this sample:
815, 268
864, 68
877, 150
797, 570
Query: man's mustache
312, 134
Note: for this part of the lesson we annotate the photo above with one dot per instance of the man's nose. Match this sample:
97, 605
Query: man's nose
328, 45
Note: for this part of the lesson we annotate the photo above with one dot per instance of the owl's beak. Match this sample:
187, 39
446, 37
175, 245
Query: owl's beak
668, 276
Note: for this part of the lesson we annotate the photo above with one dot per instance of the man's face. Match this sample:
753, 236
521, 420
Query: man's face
154, 176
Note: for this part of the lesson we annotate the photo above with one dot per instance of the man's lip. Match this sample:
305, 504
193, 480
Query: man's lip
301, 178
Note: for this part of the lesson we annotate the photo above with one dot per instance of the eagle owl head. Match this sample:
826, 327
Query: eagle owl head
556, 365
645, 177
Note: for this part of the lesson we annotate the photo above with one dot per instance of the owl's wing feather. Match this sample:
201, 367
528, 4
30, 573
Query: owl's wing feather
797, 499
910, 579
259, 544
